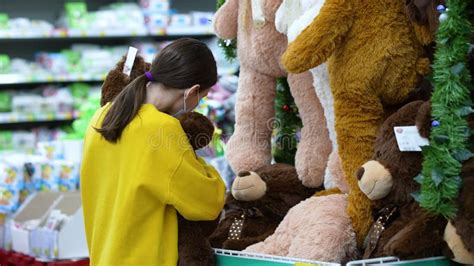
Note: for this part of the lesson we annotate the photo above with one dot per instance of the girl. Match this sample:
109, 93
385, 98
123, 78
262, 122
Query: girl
138, 167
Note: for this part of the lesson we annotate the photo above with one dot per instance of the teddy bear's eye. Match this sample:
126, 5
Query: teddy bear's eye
378, 153
264, 177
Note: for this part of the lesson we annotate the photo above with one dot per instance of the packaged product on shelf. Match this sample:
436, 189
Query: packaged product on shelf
79, 92
25, 27
56, 63
181, 21
23, 141
49, 177
67, 175
11, 182
5, 101
51, 149
26, 104
3, 21
33, 172
156, 22
202, 19
76, 15
4, 63
72, 150
43, 239
118, 19
6, 140
98, 61
64, 101
147, 50
157, 6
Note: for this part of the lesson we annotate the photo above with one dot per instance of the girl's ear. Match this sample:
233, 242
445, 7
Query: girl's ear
193, 91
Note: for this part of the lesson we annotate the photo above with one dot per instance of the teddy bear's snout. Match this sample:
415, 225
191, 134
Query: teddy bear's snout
248, 186
375, 181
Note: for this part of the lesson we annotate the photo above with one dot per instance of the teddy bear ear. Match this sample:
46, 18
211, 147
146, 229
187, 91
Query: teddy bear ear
423, 12
423, 119
139, 67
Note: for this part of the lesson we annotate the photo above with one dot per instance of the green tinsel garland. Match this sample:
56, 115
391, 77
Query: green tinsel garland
451, 104
287, 124
228, 46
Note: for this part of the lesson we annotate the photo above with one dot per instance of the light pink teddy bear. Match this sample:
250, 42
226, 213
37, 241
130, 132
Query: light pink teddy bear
260, 47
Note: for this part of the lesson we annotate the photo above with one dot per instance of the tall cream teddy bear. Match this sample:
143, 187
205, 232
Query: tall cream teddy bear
260, 47
329, 236
291, 19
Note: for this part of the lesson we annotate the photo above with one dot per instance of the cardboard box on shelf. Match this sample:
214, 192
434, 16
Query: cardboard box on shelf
50, 226
64, 238
33, 210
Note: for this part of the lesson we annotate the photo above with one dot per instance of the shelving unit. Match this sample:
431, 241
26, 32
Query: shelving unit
24, 44
12, 121
158, 34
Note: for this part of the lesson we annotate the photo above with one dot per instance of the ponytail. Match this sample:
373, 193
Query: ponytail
124, 108
180, 65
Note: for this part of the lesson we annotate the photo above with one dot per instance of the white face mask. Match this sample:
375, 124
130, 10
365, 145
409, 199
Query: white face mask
184, 110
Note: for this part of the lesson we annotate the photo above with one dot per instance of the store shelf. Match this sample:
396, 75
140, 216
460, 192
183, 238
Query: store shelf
18, 79
7, 81
76, 35
12, 121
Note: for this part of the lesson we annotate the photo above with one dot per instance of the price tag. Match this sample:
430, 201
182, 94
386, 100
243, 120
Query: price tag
132, 53
409, 139
257, 13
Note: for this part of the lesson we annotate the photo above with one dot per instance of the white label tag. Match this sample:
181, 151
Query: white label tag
127, 67
409, 139
257, 13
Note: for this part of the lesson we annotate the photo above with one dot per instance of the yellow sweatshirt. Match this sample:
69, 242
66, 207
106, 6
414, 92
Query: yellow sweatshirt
131, 190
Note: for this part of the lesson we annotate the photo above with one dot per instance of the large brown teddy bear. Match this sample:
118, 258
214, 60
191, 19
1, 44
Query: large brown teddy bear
375, 60
260, 47
389, 179
193, 244
256, 205
404, 229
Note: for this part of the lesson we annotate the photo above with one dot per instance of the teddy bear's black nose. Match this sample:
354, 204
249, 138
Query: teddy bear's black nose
360, 173
243, 173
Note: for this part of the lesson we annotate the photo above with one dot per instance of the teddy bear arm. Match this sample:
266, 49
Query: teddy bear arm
225, 20
321, 38
193, 244
220, 235
422, 237
270, 8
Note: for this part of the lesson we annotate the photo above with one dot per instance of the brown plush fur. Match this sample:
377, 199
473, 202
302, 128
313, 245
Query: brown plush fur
464, 220
415, 233
116, 80
425, 18
284, 190
375, 60
193, 244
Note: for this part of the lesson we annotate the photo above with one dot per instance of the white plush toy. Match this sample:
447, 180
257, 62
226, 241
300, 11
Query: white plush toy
291, 19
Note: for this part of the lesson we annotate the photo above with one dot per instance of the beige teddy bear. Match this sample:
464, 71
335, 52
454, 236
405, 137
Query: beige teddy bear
260, 47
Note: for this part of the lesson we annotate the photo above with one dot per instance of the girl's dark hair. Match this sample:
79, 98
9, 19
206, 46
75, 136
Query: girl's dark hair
180, 65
